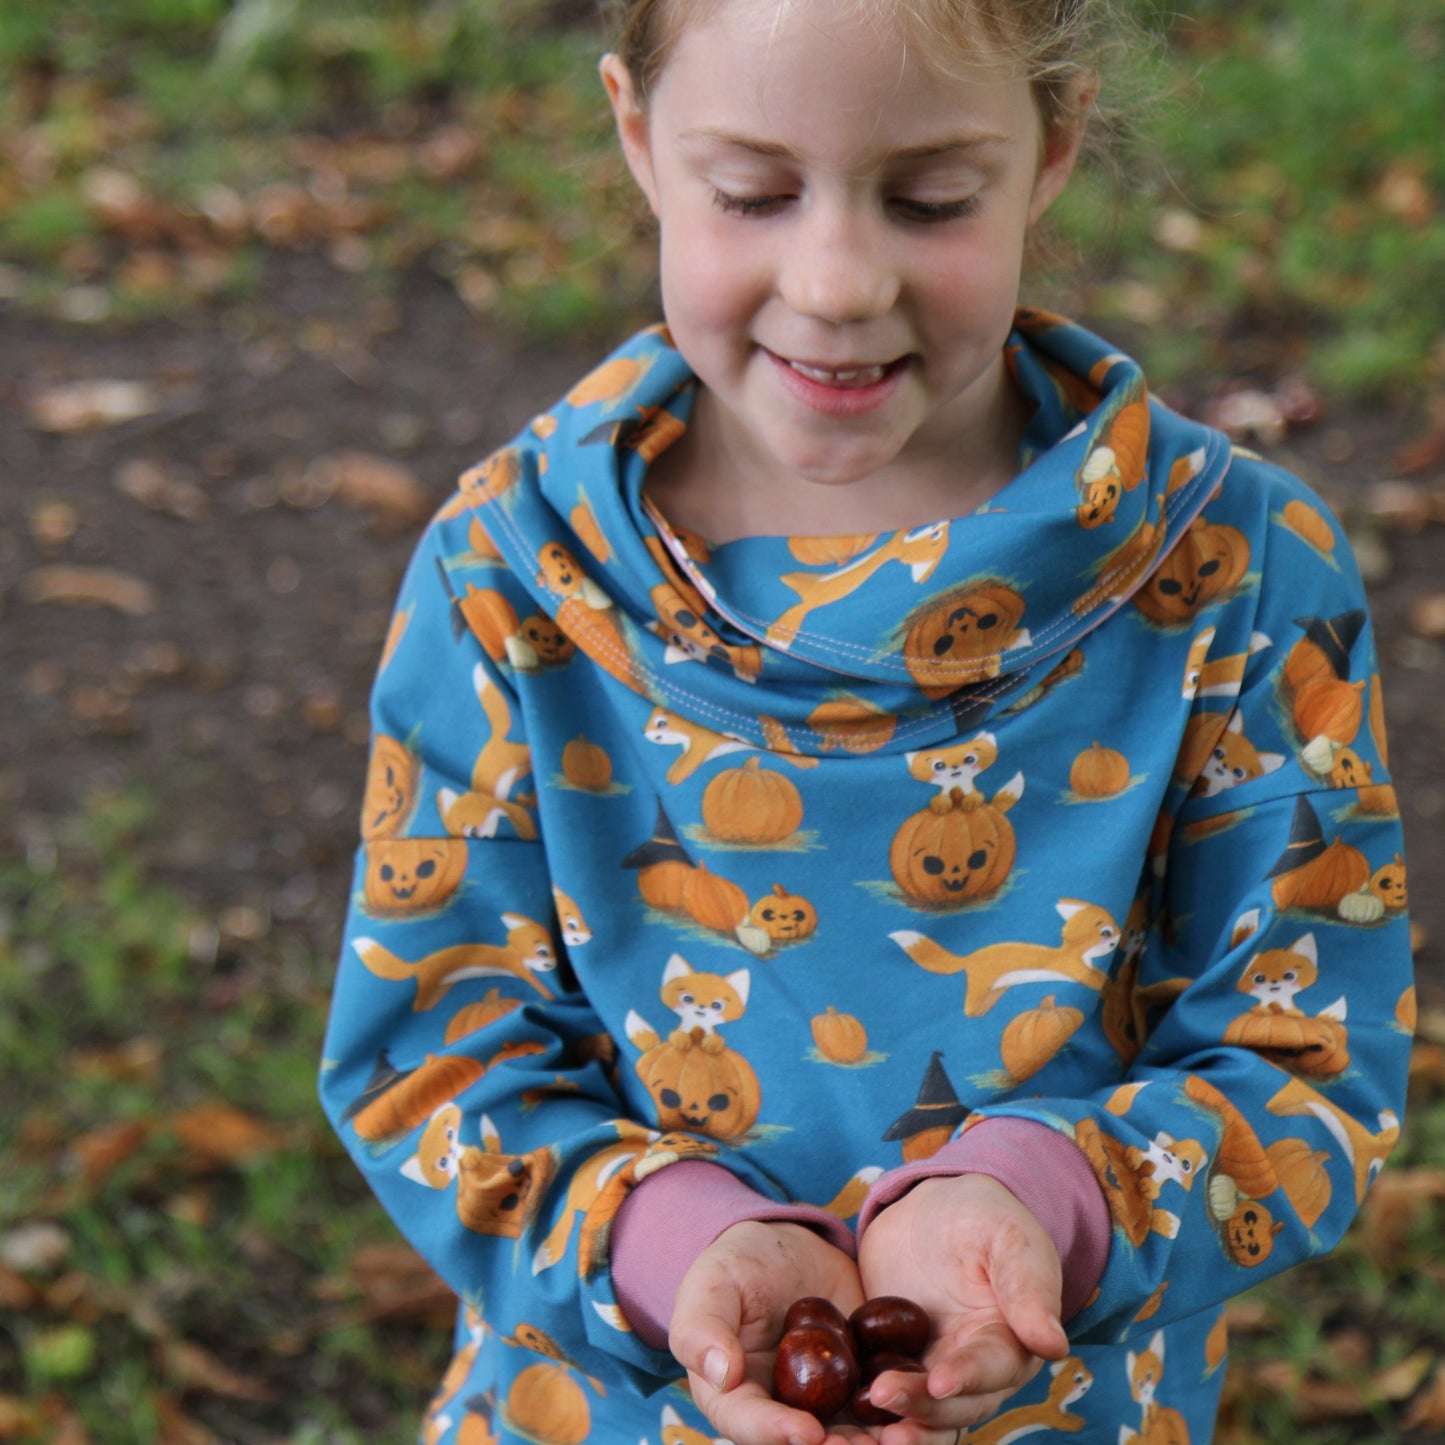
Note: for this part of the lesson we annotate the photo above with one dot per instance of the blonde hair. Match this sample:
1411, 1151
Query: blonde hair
1057, 44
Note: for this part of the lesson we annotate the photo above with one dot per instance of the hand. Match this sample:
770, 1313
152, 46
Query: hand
988, 1274
727, 1318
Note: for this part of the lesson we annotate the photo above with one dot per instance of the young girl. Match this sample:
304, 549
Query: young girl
865, 801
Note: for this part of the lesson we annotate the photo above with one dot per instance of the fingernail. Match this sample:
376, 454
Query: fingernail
898, 1404
715, 1368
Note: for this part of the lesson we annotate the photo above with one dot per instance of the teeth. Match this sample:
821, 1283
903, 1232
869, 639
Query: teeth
855, 376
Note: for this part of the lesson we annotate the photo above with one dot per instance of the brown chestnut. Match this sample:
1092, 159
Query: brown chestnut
890, 1322
814, 1309
815, 1370
864, 1411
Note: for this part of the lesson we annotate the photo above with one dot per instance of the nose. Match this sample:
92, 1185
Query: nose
839, 269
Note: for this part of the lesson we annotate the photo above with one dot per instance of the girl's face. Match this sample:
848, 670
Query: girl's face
842, 233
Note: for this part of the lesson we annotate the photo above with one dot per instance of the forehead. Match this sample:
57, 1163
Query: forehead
834, 70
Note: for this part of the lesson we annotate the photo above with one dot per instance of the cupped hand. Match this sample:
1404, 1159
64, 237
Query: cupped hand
988, 1274
727, 1318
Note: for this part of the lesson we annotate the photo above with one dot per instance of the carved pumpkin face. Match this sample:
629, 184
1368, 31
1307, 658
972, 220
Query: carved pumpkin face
713, 1092
1207, 561
392, 776
412, 875
959, 640
1307, 1046
559, 569
784, 917
1388, 884
963, 849
1249, 1234
547, 640
1100, 502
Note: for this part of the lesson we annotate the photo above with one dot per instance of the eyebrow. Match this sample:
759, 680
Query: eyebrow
777, 151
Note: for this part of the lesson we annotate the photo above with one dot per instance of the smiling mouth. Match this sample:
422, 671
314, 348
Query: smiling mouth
843, 377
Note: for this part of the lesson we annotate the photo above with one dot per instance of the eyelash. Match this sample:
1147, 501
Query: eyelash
924, 212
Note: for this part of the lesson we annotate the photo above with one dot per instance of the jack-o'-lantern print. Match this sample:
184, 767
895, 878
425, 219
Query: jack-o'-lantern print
961, 637
957, 848
392, 779
1389, 886
701, 1091
784, 916
412, 875
1208, 561
548, 643
1249, 1233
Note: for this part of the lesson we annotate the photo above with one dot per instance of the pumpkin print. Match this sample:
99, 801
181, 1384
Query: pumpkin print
1240, 1155
499, 1194
1099, 772
1315, 1047
958, 847
852, 724
390, 799
548, 643
547, 1405
490, 617
609, 382
840, 1038
584, 523
1407, 1010
492, 478
1328, 707
961, 638
704, 1091
751, 805
784, 916
714, 902
408, 1099
1209, 560
412, 875
1305, 521
663, 885
1388, 884
586, 765
1249, 1233
1324, 880
474, 1016
1302, 1176
1032, 1039
476, 1426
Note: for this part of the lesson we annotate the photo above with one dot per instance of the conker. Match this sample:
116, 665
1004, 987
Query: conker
815, 1370
863, 1410
890, 1322
814, 1309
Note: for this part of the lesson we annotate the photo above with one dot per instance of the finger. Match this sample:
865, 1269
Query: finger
748, 1415
986, 1360
949, 1420
1028, 1286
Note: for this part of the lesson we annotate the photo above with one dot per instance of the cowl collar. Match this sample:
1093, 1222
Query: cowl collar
876, 641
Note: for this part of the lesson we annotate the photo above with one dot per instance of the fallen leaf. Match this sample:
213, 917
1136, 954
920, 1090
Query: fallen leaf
148, 482
82, 405
1402, 191
1431, 1025
193, 1367
1249, 416
374, 484
18, 1421
1402, 506
35, 1248
1397, 1204
220, 1135
89, 587
98, 1152
1427, 615
1399, 1381
398, 1284
16, 1293
1427, 1410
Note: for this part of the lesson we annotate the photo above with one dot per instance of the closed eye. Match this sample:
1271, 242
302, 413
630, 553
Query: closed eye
931, 211
746, 205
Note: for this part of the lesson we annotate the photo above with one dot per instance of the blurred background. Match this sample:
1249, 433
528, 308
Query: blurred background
271, 274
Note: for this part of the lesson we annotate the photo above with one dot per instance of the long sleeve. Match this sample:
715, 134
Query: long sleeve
467, 1072
1265, 1011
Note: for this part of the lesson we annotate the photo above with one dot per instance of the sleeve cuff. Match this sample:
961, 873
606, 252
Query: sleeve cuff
671, 1217
1045, 1171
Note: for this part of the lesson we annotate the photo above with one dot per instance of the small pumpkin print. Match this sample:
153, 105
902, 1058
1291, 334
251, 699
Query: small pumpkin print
751, 805
1302, 1176
473, 1016
1249, 1232
586, 765
408, 1099
1324, 881
1377, 720
715, 902
1099, 772
1031, 1039
957, 848
663, 885
1314, 1047
840, 1038
584, 523
1240, 1155
1305, 521
700, 1091
548, 1406
1209, 560
1388, 885
785, 917
609, 382
1328, 707
1407, 1010
852, 724
491, 619
392, 776
412, 875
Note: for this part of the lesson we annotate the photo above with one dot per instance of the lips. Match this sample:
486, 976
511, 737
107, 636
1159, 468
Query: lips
845, 377
847, 390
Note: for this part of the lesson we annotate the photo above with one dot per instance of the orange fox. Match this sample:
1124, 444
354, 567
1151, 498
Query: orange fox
1160, 1425
1090, 935
919, 550
1234, 760
1220, 676
1366, 1151
954, 767
1071, 1381
699, 744
527, 952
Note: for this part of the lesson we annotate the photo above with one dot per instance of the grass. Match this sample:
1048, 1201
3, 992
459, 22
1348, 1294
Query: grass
1291, 219
185, 1252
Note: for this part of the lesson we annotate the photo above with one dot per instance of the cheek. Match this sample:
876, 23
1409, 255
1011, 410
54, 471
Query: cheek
710, 283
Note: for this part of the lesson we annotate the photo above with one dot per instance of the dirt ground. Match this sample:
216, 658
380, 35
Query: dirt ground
227, 669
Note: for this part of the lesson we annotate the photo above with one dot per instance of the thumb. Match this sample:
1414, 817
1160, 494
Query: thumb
1028, 1289
703, 1335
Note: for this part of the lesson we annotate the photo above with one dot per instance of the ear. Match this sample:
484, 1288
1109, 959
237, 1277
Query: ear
741, 982
1062, 144
677, 967
632, 129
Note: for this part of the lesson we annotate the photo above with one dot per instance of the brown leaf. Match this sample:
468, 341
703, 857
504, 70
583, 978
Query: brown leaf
16, 1293
1399, 1381
1397, 1204
18, 1421
193, 1367
98, 1152
398, 1284
1431, 1025
1402, 191
90, 587
375, 484
82, 405
1400, 506
1427, 1411
148, 483
218, 1135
